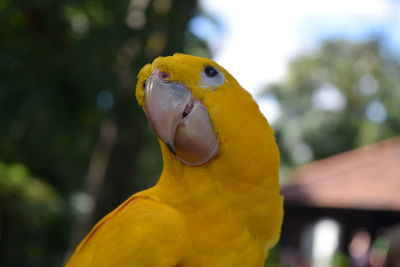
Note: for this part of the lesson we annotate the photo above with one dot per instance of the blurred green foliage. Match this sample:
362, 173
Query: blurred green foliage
69, 118
30, 211
273, 259
338, 98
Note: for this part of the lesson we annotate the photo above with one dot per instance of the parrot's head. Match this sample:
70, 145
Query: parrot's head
197, 109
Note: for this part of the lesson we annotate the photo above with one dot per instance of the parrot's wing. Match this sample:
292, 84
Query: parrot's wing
140, 232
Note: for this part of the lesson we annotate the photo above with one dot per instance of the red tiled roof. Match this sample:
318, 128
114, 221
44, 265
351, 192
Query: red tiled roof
364, 178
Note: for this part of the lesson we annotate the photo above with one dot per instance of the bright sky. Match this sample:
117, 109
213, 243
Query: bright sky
258, 37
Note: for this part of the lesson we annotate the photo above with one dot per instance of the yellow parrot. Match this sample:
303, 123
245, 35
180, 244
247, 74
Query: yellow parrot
217, 202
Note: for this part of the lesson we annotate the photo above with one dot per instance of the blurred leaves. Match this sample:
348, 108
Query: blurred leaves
15, 181
29, 209
338, 98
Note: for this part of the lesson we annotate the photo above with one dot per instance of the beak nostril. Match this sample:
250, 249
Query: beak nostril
162, 74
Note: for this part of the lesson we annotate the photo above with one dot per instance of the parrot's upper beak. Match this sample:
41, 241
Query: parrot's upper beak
181, 121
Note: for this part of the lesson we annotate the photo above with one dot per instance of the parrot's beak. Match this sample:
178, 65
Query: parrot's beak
179, 120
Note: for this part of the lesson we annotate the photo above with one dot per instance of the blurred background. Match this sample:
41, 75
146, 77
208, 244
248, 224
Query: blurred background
74, 144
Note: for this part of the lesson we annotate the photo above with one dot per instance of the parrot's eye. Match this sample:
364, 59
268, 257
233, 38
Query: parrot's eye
211, 77
210, 71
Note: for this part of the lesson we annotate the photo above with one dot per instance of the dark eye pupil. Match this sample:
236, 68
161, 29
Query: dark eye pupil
210, 71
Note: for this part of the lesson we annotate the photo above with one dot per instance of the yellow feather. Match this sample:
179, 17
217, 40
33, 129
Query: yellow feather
227, 212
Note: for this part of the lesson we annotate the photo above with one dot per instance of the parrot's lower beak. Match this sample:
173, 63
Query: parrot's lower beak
179, 120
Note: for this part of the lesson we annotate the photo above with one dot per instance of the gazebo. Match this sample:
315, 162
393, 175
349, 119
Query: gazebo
344, 205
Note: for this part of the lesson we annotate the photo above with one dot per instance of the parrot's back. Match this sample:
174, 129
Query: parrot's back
140, 232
